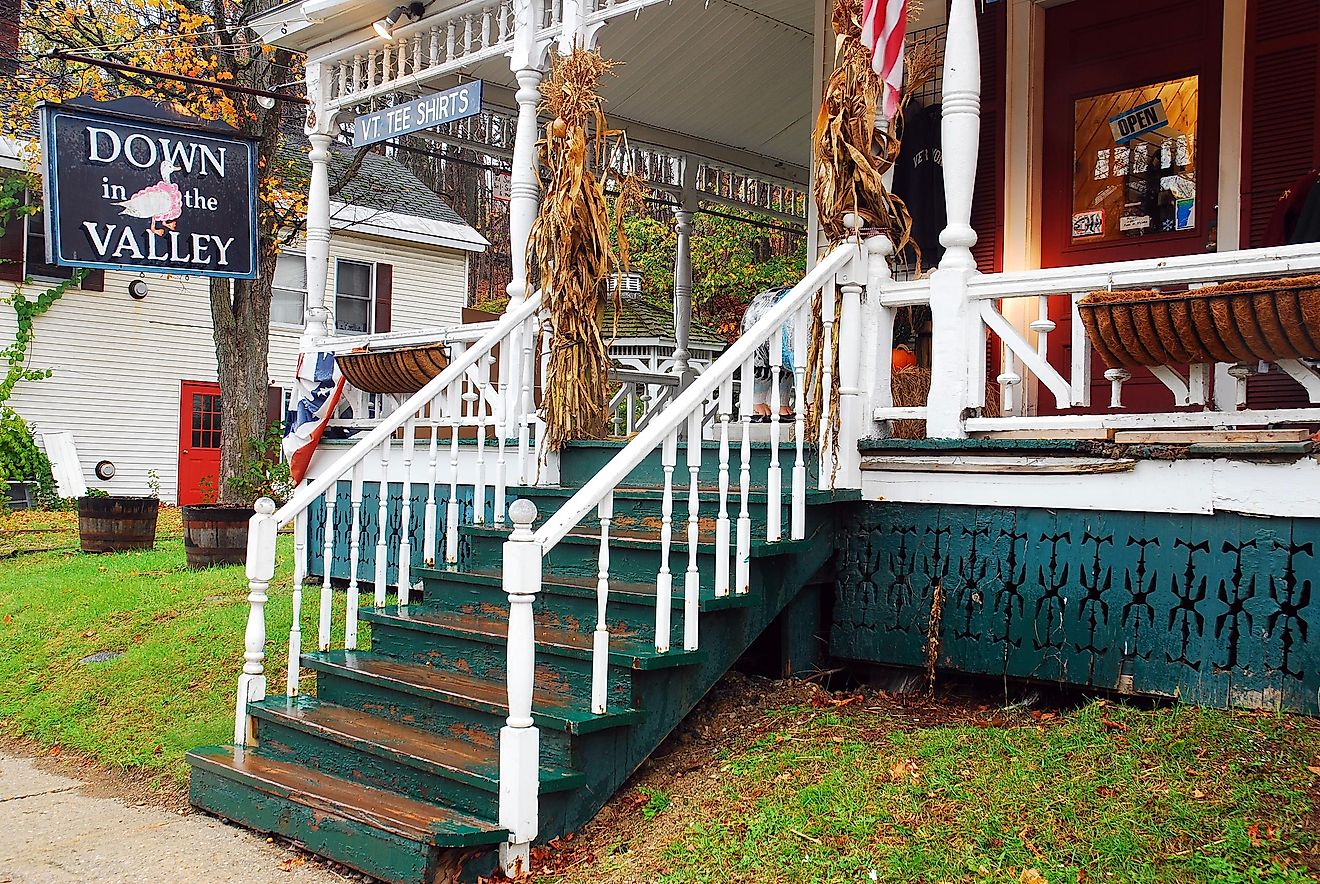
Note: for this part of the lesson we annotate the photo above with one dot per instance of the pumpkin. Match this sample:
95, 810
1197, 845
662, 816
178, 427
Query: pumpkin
903, 358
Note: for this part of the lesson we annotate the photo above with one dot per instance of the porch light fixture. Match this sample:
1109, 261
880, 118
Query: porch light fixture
412, 12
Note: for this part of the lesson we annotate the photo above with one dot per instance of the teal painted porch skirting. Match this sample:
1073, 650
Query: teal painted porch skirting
1217, 610
369, 516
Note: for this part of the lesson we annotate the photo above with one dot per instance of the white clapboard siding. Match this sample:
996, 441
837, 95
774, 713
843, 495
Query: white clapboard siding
118, 363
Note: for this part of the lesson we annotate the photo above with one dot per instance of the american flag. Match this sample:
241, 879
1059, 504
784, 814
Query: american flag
884, 26
317, 387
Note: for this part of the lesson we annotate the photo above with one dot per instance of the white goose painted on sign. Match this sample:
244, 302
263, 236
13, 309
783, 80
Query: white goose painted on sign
162, 202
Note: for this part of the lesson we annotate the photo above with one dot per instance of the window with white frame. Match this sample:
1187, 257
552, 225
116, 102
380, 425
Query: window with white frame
288, 293
354, 296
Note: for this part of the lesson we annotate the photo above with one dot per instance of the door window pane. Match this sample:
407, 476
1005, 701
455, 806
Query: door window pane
1135, 162
353, 296
289, 290
205, 421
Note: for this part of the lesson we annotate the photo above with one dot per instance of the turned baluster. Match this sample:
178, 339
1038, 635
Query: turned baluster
692, 582
435, 413
354, 555
664, 581
382, 523
743, 570
405, 511
600, 645
722, 524
327, 564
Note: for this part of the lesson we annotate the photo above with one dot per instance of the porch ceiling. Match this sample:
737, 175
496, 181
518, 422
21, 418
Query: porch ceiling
723, 71
730, 72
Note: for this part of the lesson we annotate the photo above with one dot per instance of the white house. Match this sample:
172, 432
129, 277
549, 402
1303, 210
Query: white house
134, 375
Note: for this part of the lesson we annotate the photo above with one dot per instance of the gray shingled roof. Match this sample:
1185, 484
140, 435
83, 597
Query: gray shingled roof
385, 184
381, 183
642, 318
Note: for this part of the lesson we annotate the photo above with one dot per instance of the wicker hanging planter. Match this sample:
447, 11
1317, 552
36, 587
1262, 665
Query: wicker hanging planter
1259, 319
402, 370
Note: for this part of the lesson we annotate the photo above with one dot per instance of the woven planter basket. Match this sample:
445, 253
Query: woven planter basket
1260, 319
405, 370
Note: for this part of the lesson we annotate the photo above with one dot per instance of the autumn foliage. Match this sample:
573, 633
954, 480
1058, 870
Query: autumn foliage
196, 38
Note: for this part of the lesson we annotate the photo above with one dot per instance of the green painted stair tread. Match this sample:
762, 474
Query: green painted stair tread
551, 710
460, 759
630, 652
707, 493
324, 794
651, 539
568, 584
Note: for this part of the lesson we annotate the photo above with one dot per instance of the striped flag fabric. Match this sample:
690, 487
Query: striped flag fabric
317, 388
884, 28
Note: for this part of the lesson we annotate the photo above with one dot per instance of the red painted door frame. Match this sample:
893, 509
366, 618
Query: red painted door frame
199, 442
1096, 48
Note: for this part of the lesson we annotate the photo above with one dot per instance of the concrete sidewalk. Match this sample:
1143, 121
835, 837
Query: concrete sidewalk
50, 831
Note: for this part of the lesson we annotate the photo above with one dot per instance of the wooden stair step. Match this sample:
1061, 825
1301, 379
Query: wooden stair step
325, 794
632, 653
551, 710
568, 584
460, 759
651, 539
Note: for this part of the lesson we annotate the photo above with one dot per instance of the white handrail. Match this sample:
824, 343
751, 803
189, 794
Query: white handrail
452, 372
691, 400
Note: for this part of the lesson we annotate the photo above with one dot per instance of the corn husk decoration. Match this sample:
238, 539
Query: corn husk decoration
572, 247
851, 156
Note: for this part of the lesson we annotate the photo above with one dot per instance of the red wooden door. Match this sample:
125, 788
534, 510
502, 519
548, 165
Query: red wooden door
199, 442
1112, 191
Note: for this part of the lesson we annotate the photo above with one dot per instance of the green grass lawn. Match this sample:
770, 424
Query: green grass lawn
180, 634
1103, 793
788, 791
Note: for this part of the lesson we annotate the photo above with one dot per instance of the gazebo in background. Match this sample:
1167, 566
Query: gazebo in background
650, 365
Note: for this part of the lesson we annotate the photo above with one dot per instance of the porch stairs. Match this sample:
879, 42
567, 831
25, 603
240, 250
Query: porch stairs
392, 767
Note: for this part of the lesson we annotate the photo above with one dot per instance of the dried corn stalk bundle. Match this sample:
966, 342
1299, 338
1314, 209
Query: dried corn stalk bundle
573, 251
850, 153
851, 156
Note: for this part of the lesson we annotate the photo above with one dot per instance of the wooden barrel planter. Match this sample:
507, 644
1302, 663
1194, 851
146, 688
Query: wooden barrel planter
1253, 320
111, 524
402, 370
215, 535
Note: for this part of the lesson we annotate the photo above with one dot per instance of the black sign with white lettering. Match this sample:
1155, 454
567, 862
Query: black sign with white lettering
126, 193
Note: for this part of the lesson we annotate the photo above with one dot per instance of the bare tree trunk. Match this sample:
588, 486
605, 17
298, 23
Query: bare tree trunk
240, 311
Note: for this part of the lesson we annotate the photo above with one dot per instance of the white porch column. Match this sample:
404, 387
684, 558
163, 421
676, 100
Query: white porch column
956, 326
683, 293
524, 186
320, 128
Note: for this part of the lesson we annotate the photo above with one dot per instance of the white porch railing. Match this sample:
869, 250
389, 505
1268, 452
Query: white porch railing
842, 273
462, 398
1024, 352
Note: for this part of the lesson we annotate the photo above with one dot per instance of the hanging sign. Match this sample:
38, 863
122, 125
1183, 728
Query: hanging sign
1141, 120
129, 192
422, 113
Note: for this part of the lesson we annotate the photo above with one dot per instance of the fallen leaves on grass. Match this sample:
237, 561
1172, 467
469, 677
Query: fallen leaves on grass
824, 701
1032, 876
903, 770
